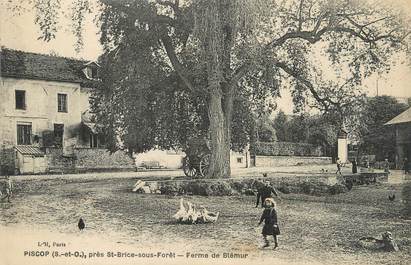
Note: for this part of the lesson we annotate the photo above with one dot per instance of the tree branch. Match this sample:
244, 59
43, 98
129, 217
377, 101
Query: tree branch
318, 23
325, 102
239, 73
300, 16
172, 5
306, 35
178, 67
314, 35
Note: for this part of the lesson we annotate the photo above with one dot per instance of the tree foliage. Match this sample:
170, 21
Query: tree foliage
320, 130
196, 59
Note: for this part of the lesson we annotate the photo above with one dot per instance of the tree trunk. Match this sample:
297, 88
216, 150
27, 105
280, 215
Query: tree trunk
220, 104
219, 136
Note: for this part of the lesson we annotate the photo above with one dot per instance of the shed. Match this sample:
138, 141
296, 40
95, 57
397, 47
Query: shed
30, 159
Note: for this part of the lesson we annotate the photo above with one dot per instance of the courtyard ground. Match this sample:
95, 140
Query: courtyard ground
328, 169
314, 230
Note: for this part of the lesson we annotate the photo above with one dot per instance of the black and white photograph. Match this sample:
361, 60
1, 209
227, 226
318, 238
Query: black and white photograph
205, 132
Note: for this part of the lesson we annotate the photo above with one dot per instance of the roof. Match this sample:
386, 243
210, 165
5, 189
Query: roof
29, 150
43, 67
404, 117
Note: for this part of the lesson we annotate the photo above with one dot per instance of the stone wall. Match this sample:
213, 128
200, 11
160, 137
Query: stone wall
99, 159
165, 158
87, 160
278, 161
365, 178
286, 149
56, 162
317, 185
312, 185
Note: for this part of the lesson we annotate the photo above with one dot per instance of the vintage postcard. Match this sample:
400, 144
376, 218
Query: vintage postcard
205, 132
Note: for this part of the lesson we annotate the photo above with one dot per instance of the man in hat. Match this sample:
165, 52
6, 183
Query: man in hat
265, 192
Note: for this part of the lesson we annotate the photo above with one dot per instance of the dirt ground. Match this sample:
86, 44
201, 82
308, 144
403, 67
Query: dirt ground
314, 229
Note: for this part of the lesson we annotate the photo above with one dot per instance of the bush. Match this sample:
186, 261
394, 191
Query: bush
219, 189
169, 188
284, 189
337, 188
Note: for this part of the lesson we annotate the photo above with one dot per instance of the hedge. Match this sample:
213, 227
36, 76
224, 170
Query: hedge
286, 149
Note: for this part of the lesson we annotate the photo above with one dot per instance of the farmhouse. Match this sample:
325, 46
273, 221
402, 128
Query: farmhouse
44, 117
402, 125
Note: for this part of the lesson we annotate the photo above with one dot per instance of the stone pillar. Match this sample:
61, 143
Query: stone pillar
343, 146
247, 156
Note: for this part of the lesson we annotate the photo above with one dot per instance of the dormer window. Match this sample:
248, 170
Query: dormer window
91, 70
94, 73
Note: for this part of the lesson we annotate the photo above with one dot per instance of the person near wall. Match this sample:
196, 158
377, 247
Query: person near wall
367, 163
354, 166
265, 192
269, 217
339, 164
406, 166
8, 189
386, 166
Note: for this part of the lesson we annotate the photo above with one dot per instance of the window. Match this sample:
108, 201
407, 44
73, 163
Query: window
24, 134
20, 99
94, 73
58, 134
101, 140
93, 140
62, 102
239, 160
91, 71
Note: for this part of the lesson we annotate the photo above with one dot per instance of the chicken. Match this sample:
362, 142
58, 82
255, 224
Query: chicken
139, 185
208, 217
181, 214
192, 213
81, 225
189, 214
349, 184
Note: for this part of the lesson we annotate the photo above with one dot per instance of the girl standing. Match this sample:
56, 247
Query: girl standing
269, 217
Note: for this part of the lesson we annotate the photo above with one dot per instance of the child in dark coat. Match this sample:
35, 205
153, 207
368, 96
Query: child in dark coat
269, 217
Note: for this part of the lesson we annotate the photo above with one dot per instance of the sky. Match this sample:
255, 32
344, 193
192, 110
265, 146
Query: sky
20, 32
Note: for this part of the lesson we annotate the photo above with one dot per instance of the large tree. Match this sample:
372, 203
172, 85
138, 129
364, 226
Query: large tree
224, 50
